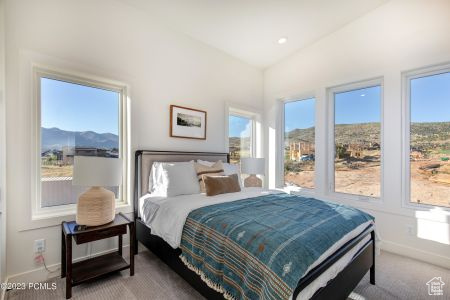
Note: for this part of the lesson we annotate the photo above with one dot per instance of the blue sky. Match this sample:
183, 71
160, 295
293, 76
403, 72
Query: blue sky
74, 107
352, 107
239, 127
299, 114
358, 106
79, 108
430, 98
430, 102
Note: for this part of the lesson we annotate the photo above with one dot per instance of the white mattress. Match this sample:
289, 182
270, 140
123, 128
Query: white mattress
166, 217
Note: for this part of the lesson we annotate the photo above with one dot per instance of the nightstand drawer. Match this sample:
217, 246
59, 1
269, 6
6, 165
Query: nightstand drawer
82, 238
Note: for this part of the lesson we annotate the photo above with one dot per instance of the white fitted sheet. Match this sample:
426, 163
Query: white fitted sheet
166, 217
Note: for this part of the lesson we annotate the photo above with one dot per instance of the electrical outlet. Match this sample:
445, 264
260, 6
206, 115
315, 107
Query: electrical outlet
39, 246
410, 230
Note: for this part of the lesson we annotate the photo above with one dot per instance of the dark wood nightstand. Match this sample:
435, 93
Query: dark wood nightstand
89, 269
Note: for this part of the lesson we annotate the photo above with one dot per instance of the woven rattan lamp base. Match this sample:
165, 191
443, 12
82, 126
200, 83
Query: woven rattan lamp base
252, 181
96, 207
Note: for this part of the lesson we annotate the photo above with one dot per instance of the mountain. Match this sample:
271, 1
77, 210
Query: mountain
296, 135
345, 133
357, 133
55, 139
423, 135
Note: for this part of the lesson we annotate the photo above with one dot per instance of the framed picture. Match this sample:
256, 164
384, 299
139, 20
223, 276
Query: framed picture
187, 123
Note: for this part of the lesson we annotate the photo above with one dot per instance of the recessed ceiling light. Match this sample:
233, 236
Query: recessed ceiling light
363, 95
282, 40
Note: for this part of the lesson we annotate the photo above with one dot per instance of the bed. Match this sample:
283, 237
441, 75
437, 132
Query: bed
337, 272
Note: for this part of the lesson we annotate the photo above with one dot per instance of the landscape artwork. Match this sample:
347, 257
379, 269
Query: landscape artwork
187, 122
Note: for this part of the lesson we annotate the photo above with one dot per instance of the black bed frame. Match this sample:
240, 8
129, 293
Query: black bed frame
338, 288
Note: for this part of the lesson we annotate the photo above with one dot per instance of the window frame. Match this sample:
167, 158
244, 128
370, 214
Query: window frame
38, 212
306, 191
330, 176
407, 76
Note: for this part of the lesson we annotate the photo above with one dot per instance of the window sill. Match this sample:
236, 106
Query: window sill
299, 191
354, 198
424, 209
435, 214
54, 218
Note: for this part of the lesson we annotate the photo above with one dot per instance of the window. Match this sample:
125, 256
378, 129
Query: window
240, 137
356, 139
428, 137
77, 118
299, 143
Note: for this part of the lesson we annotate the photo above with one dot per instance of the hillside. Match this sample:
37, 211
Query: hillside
422, 134
55, 139
235, 142
345, 133
427, 135
297, 135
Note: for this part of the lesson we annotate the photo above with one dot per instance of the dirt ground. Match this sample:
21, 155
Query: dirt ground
363, 181
426, 188
429, 188
304, 179
56, 171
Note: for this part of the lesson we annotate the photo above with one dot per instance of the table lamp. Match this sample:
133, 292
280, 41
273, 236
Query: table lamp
97, 205
253, 167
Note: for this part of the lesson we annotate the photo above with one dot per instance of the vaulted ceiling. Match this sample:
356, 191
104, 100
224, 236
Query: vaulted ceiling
250, 29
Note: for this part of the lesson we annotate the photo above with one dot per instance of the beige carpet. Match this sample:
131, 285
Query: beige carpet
397, 278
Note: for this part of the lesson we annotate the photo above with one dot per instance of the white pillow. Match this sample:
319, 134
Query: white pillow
171, 179
206, 163
230, 169
156, 178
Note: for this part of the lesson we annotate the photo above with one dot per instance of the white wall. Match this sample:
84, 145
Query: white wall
2, 142
112, 40
396, 37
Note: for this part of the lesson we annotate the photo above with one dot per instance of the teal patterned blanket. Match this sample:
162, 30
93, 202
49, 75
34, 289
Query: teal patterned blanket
259, 248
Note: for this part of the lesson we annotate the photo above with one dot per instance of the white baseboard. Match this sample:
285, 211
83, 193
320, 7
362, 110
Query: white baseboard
41, 274
432, 258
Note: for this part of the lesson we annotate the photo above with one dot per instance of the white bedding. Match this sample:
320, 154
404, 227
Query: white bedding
331, 272
166, 218
166, 215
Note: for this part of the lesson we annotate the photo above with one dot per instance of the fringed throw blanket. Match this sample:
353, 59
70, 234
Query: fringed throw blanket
259, 248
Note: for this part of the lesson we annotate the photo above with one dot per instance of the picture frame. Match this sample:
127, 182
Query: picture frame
188, 123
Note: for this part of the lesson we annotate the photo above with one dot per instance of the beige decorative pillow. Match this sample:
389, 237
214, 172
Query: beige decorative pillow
216, 185
215, 169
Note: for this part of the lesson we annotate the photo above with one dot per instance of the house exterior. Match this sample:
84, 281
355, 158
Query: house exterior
355, 150
68, 153
297, 150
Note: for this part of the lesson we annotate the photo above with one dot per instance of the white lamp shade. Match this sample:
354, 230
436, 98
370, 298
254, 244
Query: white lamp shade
250, 165
97, 171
